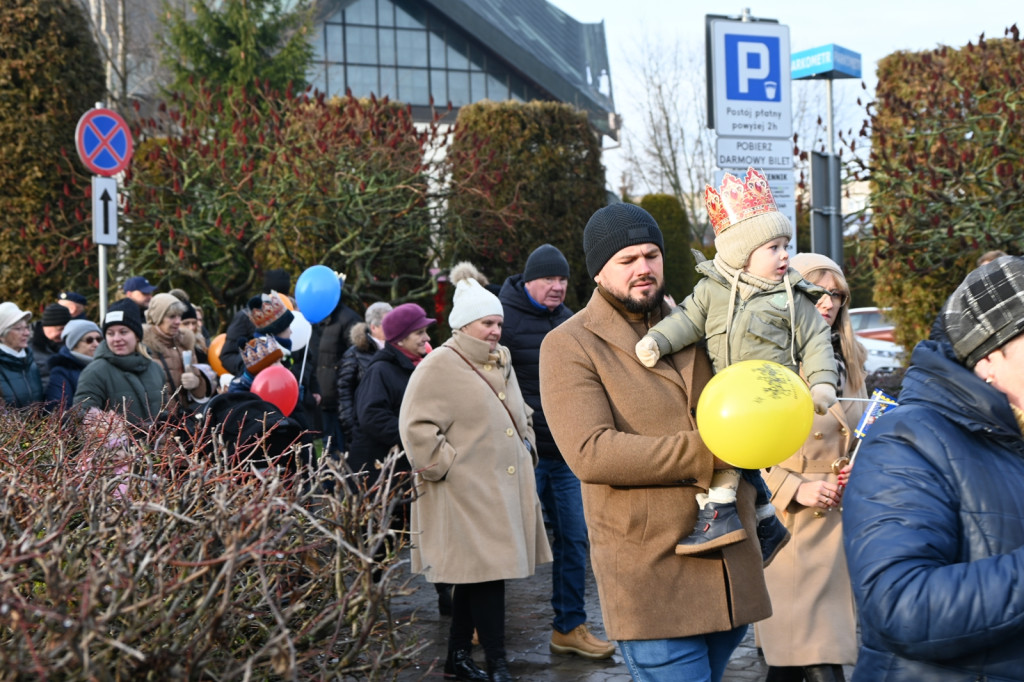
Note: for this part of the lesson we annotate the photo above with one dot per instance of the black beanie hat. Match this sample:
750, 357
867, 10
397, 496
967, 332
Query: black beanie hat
55, 315
126, 312
190, 312
277, 280
615, 227
545, 261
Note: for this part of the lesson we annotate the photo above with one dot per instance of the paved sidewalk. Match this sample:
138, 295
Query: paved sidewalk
528, 631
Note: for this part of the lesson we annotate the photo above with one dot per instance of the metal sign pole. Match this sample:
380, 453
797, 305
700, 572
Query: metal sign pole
103, 281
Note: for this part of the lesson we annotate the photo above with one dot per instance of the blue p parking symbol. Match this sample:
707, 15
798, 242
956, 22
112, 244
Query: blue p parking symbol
752, 68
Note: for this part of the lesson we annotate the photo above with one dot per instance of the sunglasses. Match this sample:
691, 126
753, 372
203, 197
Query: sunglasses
92, 339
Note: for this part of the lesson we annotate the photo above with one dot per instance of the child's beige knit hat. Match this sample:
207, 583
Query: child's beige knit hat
744, 216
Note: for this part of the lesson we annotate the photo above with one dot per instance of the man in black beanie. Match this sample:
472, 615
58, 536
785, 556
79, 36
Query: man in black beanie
46, 341
534, 305
630, 435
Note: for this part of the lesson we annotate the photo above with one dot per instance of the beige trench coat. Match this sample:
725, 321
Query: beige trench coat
813, 620
629, 434
476, 516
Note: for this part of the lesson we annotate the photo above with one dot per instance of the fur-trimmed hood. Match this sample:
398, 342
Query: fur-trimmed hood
359, 336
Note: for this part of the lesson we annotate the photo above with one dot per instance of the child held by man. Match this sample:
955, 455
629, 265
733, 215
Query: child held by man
750, 305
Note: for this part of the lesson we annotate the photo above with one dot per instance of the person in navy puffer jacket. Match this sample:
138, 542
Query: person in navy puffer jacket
933, 518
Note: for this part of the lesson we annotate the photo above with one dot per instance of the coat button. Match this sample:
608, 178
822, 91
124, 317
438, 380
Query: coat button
511, 471
501, 395
818, 514
817, 435
488, 367
509, 432
842, 430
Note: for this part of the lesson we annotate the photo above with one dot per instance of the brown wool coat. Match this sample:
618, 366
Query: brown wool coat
166, 353
813, 620
476, 517
629, 434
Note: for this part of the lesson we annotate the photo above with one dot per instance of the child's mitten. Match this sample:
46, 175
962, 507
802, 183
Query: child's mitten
647, 351
824, 397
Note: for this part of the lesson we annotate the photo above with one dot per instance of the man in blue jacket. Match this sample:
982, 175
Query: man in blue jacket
933, 522
533, 304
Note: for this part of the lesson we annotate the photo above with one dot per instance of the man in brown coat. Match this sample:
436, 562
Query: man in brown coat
630, 436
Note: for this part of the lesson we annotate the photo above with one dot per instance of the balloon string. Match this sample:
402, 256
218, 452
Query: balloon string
864, 400
302, 370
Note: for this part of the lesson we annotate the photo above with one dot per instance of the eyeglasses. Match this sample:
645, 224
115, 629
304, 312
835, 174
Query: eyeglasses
92, 339
838, 296
19, 328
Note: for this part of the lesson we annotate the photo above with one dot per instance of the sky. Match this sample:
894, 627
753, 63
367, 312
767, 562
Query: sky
874, 28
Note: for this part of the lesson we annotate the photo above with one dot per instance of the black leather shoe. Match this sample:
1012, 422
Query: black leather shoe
498, 670
460, 666
791, 673
718, 525
773, 536
824, 673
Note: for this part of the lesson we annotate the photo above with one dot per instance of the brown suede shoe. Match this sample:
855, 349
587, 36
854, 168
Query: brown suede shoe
579, 641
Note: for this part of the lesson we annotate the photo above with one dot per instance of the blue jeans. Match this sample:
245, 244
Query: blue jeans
559, 492
762, 495
700, 658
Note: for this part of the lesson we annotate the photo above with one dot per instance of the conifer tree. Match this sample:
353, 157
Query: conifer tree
233, 43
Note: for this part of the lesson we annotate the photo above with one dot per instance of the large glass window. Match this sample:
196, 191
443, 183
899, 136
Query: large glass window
404, 50
412, 47
458, 51
362, 12
363, 80
387, 46
361, 45
335, 51
412, 87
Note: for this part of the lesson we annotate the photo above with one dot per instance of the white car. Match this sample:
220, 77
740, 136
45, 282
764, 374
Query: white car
881, 354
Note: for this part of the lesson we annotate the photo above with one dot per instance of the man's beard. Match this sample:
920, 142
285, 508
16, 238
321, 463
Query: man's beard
643, 306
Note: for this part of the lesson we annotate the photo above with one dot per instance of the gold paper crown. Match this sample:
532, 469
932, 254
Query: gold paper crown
260, 353
272, 308
738, 200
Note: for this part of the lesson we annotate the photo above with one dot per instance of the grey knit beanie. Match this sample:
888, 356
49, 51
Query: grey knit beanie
545, 261
76, 329
615, 227
987, 310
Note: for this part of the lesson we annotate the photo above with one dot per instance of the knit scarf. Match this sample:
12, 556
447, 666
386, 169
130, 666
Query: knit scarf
414, 357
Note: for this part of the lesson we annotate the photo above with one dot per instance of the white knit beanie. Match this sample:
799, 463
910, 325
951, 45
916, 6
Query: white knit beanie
471, 301
10, 315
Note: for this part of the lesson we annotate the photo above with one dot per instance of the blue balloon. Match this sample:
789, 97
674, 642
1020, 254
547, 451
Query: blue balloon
317, 292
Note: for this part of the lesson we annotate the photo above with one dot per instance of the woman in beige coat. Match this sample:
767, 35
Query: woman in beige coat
476, 520
812, 631
171, 347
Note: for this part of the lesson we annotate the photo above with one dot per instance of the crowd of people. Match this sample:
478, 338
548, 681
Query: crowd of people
536, 435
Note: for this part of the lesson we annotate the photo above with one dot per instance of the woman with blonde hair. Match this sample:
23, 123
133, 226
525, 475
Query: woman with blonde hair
812, 631
172, 346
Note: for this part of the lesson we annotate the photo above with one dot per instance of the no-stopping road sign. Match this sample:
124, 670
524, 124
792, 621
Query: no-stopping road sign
104, 141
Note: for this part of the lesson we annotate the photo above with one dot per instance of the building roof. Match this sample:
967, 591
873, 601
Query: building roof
563, 56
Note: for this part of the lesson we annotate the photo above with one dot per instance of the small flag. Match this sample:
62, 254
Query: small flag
879, 405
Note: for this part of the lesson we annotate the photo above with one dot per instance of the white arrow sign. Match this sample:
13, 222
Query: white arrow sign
104, 210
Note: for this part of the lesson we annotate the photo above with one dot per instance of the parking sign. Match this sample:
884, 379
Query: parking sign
751, 79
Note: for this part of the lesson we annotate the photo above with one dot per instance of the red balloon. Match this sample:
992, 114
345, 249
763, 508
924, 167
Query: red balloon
277, 386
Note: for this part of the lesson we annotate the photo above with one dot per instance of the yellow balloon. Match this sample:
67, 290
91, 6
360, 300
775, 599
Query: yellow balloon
755, 414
